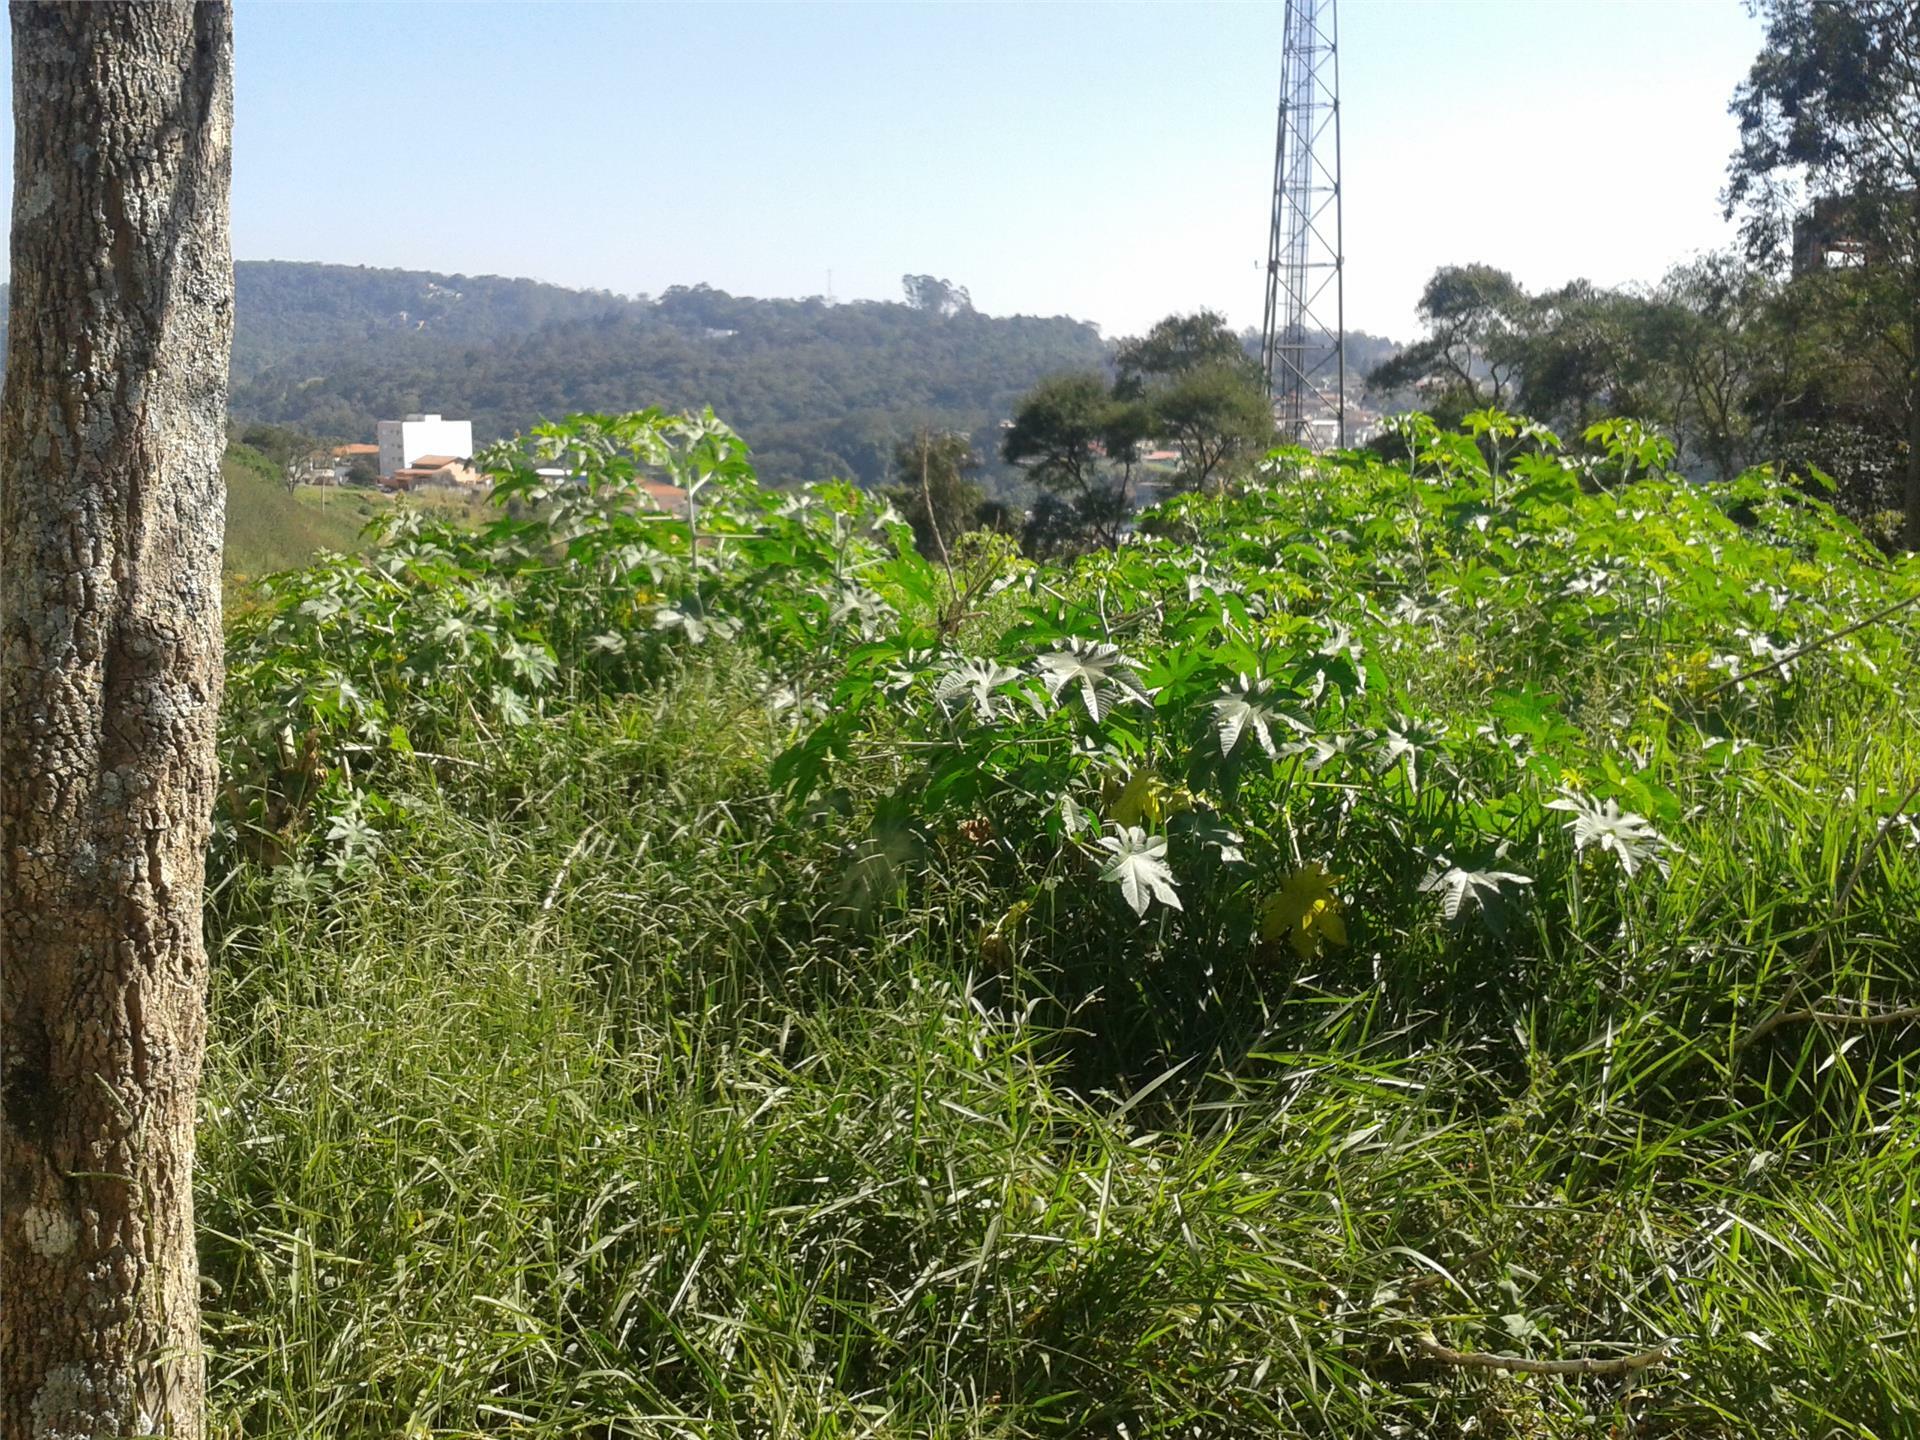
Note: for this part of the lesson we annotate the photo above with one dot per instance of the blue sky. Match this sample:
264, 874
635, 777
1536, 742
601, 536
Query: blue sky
1108, 162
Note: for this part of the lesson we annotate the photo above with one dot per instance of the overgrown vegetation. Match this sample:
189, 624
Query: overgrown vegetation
736, 977
270, 527
1188, 382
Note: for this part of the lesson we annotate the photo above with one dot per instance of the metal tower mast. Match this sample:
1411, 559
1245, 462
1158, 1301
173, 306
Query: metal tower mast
1303, 342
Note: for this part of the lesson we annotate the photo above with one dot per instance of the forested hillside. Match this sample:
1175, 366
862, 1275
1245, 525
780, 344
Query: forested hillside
285, 309
824, 389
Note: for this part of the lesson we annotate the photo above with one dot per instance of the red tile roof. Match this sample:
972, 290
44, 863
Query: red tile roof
670, 498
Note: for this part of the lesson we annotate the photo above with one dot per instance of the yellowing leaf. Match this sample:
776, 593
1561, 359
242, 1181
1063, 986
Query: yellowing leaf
1132, 803
997, 944
1305, 911
1145, 799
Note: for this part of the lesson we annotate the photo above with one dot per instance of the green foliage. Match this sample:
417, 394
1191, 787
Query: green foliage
1714, 333
284, 310
1469, 357
1179, 345
1816, 370
1188, 382
1827, 167
281, 444
1824, 114
1201, 392
1736, 366
1144, 994
1059, 431
1825, 170
1217, 416
936, 296
1260, 616
1077, 442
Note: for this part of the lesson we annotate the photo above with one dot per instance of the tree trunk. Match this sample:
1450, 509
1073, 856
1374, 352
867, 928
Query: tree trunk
111, 517
1912, 536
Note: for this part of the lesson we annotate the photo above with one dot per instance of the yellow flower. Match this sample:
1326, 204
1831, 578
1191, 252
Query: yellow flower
1306, 911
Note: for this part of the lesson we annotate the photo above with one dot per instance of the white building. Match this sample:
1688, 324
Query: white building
402, 442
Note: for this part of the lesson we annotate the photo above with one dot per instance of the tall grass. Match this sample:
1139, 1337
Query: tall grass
270, 528
556, 1122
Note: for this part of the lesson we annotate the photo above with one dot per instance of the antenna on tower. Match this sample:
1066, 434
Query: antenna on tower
1303, 343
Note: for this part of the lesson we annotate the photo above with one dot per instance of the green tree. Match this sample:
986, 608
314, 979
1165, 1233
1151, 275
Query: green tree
282, 444
1711, 337
1057, 433
1079, 443
1583, 353
1179, 345
1201, 391
1702, 356
1217, 416
1471, 356
935, 296
936, 495
1829, 159
1832, 389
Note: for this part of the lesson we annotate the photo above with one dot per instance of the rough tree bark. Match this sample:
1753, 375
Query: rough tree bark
1911, 535
111, 515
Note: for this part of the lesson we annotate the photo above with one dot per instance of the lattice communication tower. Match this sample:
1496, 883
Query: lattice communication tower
1303, 342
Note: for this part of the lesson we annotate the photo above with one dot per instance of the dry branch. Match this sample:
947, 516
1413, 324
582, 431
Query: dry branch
1818, 642
1521, 1364
1827, 1017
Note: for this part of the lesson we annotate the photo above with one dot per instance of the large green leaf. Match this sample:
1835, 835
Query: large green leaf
1102, 676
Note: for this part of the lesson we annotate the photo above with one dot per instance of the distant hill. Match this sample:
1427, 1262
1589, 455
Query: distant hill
818, 389
288, 308
285, 308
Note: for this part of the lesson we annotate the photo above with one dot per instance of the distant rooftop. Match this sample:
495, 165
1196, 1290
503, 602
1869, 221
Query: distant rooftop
670, 498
